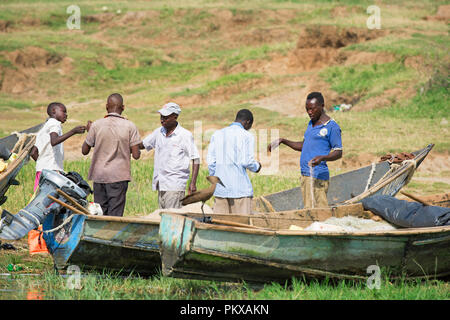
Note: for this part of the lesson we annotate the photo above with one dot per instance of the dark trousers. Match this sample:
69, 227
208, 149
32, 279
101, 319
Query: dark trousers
111, 197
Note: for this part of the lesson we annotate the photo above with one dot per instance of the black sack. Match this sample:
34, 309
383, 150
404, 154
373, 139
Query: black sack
78, 180
407, 214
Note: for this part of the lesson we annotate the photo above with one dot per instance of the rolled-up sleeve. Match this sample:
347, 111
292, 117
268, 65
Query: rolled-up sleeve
90, 137
135, 138
335, 138
192, 148
149, 142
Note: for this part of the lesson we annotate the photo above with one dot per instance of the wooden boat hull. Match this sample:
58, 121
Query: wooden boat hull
192, 249
7, 178
342, 187
112, 244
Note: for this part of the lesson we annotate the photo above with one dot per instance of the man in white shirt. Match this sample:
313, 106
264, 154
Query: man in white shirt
230, 154
174, 151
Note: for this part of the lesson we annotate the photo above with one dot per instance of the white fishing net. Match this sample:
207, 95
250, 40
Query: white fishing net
350, 224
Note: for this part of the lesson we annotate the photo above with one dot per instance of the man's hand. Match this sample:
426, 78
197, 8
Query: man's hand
315, 161
274, 144
192, 188
79, 129
88, 125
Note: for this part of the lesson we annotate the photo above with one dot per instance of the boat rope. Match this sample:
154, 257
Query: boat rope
369, 180
411, 170
22, 137
66, 221
389, 180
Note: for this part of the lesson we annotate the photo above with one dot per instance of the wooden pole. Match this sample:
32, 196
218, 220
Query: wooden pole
234, 224
75, 210
76, 204
415, 198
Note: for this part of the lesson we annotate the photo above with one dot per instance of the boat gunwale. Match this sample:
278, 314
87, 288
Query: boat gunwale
19, 161
128, 219
266, 231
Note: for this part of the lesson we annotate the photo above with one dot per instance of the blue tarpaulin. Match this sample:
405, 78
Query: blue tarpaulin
407, 214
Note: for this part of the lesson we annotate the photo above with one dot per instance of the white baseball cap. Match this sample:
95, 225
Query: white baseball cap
170, 108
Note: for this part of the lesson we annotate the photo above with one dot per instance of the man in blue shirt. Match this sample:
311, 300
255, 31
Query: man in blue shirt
321, 143
230, 154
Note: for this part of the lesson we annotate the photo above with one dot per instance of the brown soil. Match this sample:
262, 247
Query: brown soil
5, 25
442, 14
27, 63
317, 47
342, 11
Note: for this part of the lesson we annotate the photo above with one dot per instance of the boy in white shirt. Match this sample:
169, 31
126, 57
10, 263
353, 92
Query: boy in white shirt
48, 151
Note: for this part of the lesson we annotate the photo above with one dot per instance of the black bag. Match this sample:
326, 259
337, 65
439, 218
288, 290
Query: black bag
405, 213
78, 180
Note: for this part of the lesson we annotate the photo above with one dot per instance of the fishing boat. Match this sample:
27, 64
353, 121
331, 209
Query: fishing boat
383, 177
20, 144
275, 247
105, 243
131, 244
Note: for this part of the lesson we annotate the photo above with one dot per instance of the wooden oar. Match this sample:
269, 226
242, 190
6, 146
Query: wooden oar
76, 204
415, 198
66, 205
234, 224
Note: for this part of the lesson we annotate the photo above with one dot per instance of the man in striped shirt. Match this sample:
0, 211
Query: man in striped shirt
230, 154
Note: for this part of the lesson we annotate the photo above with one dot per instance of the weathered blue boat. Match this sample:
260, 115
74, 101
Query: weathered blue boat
104, 243
261, 248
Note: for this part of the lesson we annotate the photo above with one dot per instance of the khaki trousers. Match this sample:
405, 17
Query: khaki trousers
170, 199
233, 205
320, 189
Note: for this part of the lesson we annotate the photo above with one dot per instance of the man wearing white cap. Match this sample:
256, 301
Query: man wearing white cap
174, 151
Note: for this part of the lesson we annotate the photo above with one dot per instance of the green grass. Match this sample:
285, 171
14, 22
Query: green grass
367, 80
15, 104
432, 104
224, 81
181, 45
431, 47
109, 286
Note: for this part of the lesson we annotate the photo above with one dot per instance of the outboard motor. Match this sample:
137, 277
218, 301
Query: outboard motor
16, 226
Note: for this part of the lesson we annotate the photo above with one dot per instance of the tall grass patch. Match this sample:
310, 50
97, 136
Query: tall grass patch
223, 81
367, 80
